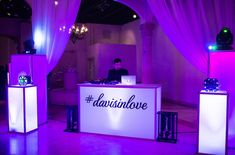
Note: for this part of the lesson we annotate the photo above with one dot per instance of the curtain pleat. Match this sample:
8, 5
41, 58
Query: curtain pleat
192, 25
47, 20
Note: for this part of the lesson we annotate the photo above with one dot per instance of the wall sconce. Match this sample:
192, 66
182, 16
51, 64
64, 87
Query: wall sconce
77, 32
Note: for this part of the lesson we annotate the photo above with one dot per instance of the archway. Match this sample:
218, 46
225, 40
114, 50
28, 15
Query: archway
146, 28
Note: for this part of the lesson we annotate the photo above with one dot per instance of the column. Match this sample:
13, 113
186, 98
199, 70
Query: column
147, 50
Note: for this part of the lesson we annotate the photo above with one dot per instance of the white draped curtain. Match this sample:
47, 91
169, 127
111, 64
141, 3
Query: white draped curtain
192, 25
51, 23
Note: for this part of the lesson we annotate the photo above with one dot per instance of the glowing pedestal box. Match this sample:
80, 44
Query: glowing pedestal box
213, 122
22, 108
120, 110
36, 67
222, 68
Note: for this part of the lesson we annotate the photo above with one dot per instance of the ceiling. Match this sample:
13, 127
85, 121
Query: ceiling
15, 9
91, 11
104, 12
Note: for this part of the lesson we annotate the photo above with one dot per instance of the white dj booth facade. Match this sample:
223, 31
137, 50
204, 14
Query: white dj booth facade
119, 110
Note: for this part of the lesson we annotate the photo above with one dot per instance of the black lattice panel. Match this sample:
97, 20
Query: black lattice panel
167, 126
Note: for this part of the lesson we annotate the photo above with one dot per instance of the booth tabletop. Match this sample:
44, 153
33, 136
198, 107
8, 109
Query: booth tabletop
120, 85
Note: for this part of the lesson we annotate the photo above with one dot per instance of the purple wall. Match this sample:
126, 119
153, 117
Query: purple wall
97, 33
181, 82
20, 30
104, 54
13, 33
7, 47
130, 34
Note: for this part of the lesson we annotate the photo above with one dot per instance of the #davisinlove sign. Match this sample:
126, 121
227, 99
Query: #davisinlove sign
131, 103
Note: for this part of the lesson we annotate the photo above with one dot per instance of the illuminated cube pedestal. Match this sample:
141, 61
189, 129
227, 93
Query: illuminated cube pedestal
221, 67
213, 122
22, 108
35, 66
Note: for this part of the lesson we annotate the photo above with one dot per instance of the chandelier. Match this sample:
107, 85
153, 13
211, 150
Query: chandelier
77, 32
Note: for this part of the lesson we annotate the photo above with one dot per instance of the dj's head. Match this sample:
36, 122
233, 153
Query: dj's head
117, 63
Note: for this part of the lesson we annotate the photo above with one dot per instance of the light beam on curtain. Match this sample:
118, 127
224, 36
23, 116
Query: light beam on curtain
192, 25
47, 20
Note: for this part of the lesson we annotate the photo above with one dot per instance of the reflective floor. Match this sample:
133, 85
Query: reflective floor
50, 138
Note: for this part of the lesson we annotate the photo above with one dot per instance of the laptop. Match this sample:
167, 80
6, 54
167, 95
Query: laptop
128, 79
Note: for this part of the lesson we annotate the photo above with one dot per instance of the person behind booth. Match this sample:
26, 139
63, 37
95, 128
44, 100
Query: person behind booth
116, 73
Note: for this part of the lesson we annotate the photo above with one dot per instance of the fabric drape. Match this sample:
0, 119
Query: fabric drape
50, 24
192, 25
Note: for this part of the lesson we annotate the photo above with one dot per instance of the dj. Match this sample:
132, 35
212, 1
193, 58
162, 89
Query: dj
116, 73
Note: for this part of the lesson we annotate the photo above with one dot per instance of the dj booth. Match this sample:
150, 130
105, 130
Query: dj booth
120, 110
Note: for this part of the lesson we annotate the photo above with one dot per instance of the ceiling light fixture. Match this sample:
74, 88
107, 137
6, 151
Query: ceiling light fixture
77, 32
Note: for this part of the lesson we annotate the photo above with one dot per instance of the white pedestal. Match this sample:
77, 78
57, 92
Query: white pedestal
213, 122
22, 108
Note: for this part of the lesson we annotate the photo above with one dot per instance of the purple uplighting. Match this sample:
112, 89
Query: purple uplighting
152, 77
190, 30
48, 39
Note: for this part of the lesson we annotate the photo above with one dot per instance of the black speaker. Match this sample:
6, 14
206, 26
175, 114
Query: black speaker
29, 47
224, 39
167, 126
